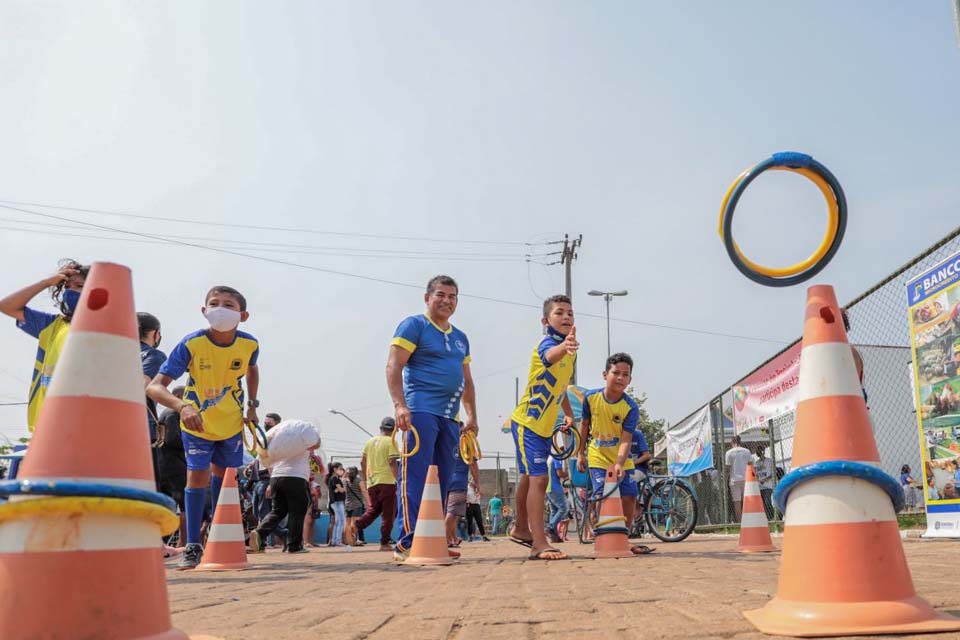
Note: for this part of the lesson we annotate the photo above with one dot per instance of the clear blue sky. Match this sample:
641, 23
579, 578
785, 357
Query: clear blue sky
506, 122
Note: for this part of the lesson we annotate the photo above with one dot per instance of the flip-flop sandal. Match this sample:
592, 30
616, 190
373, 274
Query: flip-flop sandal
453, 554
520, 541
643, 550
539, 556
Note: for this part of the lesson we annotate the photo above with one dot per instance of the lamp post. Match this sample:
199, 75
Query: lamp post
341, 413
607, 295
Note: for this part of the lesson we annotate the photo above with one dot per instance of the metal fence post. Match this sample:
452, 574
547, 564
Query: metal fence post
773, 467
723, 466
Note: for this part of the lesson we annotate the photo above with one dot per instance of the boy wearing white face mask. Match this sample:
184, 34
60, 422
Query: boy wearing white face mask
212, 408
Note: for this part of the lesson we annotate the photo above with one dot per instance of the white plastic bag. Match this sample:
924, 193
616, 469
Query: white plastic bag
288, 439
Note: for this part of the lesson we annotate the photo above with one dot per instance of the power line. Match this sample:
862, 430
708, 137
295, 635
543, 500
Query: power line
358, 276
264, 227
250, 244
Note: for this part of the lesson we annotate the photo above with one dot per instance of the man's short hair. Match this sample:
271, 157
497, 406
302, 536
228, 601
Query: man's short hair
444, 280
552, 301
275, 417
619, 358
387, 424
230, 291
736, 440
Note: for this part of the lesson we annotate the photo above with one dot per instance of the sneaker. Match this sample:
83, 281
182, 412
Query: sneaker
253, 543
485, 538
400, 556
300, 550
192, 555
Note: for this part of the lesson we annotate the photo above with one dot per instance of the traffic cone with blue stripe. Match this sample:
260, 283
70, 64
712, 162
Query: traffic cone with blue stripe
611, 528
82, 558
843, 569
754, 528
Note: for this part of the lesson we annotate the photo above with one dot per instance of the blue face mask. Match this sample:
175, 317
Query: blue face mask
70, 299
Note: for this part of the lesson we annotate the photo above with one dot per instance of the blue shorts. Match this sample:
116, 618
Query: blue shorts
532, 450
201, 453
628, 486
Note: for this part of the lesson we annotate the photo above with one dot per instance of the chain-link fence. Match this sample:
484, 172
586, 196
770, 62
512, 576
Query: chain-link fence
880, 331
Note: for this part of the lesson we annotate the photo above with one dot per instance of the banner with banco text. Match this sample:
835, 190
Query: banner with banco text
690, 445
933, 303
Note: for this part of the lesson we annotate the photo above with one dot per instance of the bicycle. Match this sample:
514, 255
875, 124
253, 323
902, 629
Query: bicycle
666, 507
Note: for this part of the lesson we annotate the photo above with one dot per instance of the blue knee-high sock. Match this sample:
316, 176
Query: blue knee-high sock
216, 482
195, 499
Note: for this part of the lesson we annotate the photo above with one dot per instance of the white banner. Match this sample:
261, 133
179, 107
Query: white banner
690, 445
769, 392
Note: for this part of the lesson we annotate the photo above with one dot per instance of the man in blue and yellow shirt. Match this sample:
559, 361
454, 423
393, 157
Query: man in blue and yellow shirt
532, 423
610, 420
211, 411
49, 329
428, 376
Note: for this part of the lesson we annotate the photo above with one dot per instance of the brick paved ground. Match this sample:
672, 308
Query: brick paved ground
694, 589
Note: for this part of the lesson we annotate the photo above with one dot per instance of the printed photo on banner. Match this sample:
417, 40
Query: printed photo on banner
934, 316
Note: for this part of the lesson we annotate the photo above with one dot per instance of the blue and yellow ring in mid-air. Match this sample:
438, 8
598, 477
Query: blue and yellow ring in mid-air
836, 225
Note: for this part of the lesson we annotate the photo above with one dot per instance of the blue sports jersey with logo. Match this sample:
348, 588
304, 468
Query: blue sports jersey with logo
433, 377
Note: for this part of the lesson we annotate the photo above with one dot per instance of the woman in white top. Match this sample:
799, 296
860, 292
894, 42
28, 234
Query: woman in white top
288, 457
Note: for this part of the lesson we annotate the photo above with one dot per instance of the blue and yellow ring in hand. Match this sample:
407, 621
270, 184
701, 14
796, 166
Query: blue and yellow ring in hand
836, 225
561, 450
258, 435
470, 447
403, 449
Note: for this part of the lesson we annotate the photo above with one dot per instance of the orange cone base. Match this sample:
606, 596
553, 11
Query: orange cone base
756, 548
222, 566
173, 634
612, 545
429, 562
815, 619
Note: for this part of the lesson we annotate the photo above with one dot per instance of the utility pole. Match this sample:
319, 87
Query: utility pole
567, 256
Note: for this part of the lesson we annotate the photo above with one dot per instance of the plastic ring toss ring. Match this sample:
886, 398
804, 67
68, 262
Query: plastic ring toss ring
836, 226
416, 442
469, 447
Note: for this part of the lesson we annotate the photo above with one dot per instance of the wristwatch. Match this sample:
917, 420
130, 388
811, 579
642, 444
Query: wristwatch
253, 403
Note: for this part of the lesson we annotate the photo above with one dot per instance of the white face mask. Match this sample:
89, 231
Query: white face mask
222, 319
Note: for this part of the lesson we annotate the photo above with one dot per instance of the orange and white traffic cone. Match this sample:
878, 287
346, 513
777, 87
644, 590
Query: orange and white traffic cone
98, 558
754, 528
611, 529
843, 569
430, 535
226, 549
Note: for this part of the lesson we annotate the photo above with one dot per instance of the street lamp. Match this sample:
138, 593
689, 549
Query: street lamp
607, 295
341, 413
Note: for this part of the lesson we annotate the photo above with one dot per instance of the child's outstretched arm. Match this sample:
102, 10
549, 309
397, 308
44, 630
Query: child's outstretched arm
14, 304
569, 345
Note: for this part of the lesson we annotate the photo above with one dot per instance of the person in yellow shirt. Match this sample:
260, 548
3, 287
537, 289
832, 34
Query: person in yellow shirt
49, 329
211, 411
533, 421
379, 467
610, 420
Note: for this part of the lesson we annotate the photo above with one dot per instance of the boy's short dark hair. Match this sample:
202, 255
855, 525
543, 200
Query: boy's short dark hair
550, 302
147, 322
275, 417
444, 280
230, 291
619, 358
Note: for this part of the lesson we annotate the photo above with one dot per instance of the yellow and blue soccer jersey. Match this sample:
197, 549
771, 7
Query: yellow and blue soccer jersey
214, 387
433, 377
607, 421
546, 384
51, 333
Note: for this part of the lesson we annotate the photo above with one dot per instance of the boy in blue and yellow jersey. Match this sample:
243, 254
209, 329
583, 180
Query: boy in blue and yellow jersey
49, 329
211, 411
610, 420
428, 375
533, 421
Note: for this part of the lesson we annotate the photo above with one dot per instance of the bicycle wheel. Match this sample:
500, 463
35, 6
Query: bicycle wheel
671, 510
588, 519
